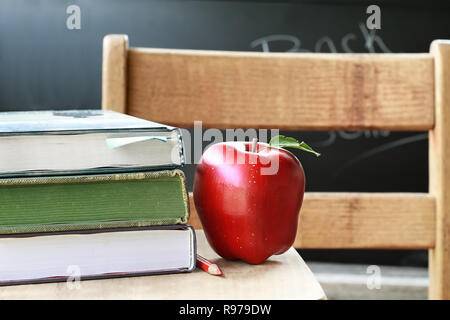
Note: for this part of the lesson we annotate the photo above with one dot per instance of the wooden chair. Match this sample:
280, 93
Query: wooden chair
310, 92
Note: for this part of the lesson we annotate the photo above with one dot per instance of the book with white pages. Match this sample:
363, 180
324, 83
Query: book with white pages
85, 141
96, 254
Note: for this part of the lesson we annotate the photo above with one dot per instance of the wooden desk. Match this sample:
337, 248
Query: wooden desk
281, 277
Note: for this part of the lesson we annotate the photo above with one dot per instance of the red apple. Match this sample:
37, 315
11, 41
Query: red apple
249, 202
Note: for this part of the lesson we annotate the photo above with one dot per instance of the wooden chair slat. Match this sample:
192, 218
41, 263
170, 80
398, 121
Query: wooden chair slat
362, 220
439, 167
114, 72
286, 91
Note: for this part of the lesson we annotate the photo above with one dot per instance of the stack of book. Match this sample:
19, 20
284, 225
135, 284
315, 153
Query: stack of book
93, 194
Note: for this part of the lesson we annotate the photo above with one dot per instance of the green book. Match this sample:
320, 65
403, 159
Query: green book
99, 201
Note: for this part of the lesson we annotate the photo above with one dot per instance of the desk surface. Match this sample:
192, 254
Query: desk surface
284, 276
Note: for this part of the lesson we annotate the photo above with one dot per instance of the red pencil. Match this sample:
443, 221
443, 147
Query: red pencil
208, 266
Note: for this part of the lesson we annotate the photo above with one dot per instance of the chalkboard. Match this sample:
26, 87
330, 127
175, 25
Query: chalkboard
48, 61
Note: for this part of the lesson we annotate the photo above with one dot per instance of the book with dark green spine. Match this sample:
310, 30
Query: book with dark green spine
99, 201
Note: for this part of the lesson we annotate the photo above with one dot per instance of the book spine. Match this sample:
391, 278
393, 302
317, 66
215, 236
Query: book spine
105, 224
20, 181
60, 227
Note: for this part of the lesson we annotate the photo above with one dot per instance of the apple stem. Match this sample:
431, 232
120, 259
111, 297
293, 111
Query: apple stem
254, 144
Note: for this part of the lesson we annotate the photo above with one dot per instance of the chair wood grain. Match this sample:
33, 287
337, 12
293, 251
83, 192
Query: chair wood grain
439, 167
286, 91
114, 72
361, 221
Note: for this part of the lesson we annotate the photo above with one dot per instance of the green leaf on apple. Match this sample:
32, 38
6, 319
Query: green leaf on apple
288, 142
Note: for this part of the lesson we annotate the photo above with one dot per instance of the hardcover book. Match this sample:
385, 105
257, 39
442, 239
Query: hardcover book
96, 201
93, 254
85, 141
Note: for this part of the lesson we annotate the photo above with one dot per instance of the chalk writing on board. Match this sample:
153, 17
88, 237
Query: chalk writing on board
372, 41
351, 135
379, 149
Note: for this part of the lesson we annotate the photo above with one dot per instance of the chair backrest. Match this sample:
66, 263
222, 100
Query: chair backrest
299, 91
